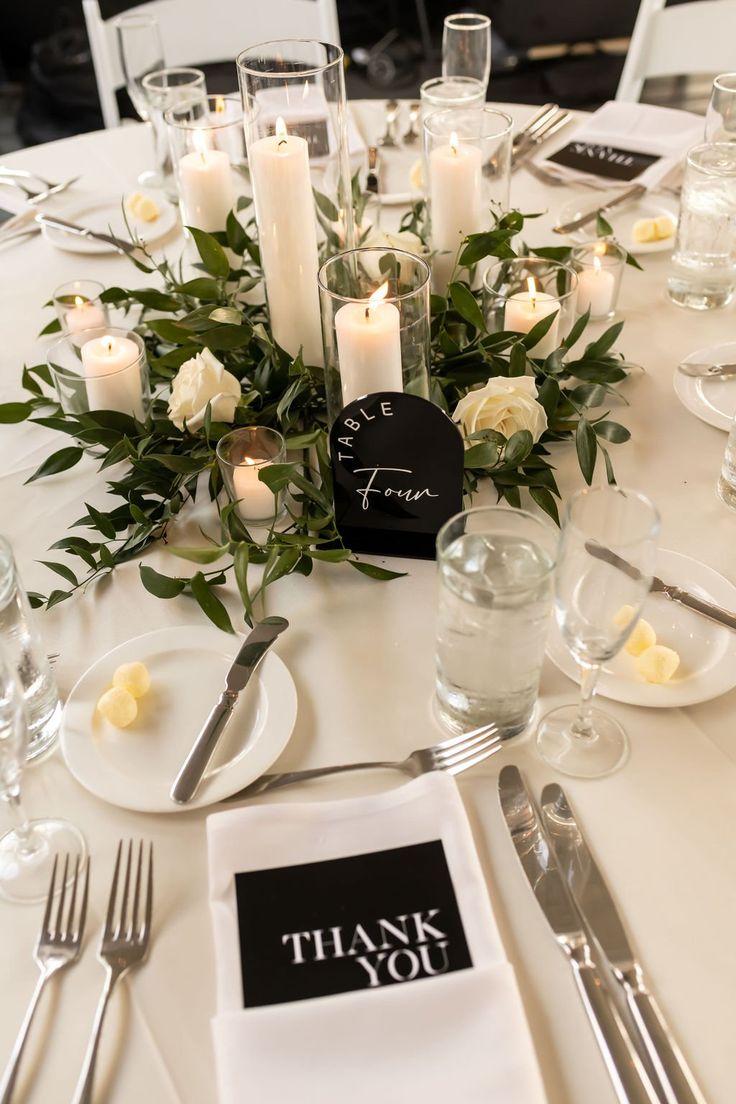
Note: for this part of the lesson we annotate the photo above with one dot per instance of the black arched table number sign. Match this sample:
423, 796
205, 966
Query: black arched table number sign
397, 464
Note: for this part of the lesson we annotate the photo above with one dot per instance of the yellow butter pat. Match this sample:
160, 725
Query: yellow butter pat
118, 706
657, 664
644, 230
642, 637
143, 207
416, 176
624, 617
133, 677
664, 227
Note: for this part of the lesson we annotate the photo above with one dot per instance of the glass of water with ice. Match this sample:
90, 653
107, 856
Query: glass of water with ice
496, 567
703, 271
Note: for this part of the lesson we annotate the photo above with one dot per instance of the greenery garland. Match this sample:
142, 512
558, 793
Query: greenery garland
154, 468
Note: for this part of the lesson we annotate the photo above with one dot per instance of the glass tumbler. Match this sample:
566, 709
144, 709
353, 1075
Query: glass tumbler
23, 648
720, 118
466, 46
496, 572
703, 270
727, 480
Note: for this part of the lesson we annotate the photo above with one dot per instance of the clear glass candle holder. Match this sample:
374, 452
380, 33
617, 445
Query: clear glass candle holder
451, 92
242, 455
600, 268
78, 305
296, 133
101, 369
519, 293
467, 164
375, 324
208, 155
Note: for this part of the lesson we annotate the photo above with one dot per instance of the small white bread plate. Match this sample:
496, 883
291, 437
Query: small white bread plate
105, 216
707, 651
135, 767
711, 400
622, 221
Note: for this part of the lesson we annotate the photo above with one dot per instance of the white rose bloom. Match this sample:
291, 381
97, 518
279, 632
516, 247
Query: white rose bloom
199, 381
506, 404
380, 239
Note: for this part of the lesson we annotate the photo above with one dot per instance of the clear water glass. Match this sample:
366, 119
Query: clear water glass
141, 51
720, 118
466, 46
727, 480
165, 88
28, 849
23, 648
496, 568
703, 270
590, 591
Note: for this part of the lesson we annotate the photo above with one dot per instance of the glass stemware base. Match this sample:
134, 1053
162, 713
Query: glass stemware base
577, 755
26, 862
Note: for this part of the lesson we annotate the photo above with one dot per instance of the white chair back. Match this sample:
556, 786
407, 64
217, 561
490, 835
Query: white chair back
195, 32
698, 37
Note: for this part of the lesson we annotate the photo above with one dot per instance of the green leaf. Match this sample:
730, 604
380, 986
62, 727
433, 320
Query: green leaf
577, 330
106, 557
52, 327
199, 555
58, 462
277, 476
228, 316
161, 586
331, 555
548, 396
241, 560
155, 300
326, 207
517, 360
209, 602
63, 570
606, 341
545, 499
201, 287
13, 412
603, 227
374, 572
213, 257
101, 522
586, 445
537, 332
237, 238
481, 456
612, 431
520, 444
466, 305
57, 596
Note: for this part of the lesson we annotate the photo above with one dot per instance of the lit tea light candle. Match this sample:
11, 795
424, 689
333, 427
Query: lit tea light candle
455, 193
256, 501
596, 286
287, 235
369, 346
112, 367
206, 186
84, 315
525, 308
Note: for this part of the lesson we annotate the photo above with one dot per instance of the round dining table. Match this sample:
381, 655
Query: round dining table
361, 653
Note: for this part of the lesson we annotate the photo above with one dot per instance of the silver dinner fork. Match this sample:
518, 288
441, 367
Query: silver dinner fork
24, 174
59, 943
124, 944
455, 755
34, 195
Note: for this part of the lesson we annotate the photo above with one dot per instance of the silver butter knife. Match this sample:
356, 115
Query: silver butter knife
630, 194
707, 371
630, 1081
250, 655
592, 897
84, 232
658, 586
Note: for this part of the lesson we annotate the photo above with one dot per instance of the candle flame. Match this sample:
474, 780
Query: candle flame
596, 264
305, 93
454, 142
377, 298
281, 133
532, 288
79, 300
600, 249
108, 343
219, 105
200, 143
250, 460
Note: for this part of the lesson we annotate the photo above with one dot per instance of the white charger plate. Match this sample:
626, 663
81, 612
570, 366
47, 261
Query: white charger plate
707, 651
105, 216
622, 221
711, 400
135, 767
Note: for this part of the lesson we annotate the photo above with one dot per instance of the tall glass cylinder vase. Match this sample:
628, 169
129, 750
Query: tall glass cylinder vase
375, 325
296, 134
467, 159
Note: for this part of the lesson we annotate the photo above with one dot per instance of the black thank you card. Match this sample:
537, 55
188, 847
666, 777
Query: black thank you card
601, 160
360, 922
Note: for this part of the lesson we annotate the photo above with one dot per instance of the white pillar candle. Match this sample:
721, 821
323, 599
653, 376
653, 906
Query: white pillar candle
84, 315
455, 193
525, 308
369, 347
287, 235
112, 367
596, 288
205, 186
257, 501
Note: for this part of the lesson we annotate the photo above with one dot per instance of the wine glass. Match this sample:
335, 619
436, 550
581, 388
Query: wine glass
27, 850
720, 119
165, 88
466, 46
606, 560
141, 52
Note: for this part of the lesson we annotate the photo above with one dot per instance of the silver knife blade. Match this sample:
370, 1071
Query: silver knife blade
84, 232
538, 120
528, 147
600, 552
254, 648
631, 193
707, 371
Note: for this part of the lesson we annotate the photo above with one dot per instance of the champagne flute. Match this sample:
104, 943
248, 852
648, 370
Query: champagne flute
466, 46
601, 523
141, 52
27, 850
720, 119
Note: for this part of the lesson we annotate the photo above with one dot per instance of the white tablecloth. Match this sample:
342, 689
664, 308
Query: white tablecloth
361, 654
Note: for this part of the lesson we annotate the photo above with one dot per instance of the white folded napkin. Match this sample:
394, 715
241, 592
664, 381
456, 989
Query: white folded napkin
457, 1035
664, 132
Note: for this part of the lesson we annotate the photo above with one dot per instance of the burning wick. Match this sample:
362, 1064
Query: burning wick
454, 142
200, 144
79, 301
280, 133
108, 343
376, 298
532, 288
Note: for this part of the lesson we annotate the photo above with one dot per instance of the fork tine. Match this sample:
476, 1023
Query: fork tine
59, 931
79, 931
466, 756
137, 891
123, 928
473, 761
69, 929
113, 893
453, 741
45, 930
146, 930
466, 745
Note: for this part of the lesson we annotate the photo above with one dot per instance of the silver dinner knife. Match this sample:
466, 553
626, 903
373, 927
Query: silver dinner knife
530, 145
658, 586
707, 371
594, 900
250, 655
630, 1080
634, 192
84, 232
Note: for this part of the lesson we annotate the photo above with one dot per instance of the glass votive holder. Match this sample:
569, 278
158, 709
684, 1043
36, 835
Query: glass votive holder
440, 93
520, 292
374, 304
101, 369
242, 455
600, 269
78, 306
208, 155
467, 163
